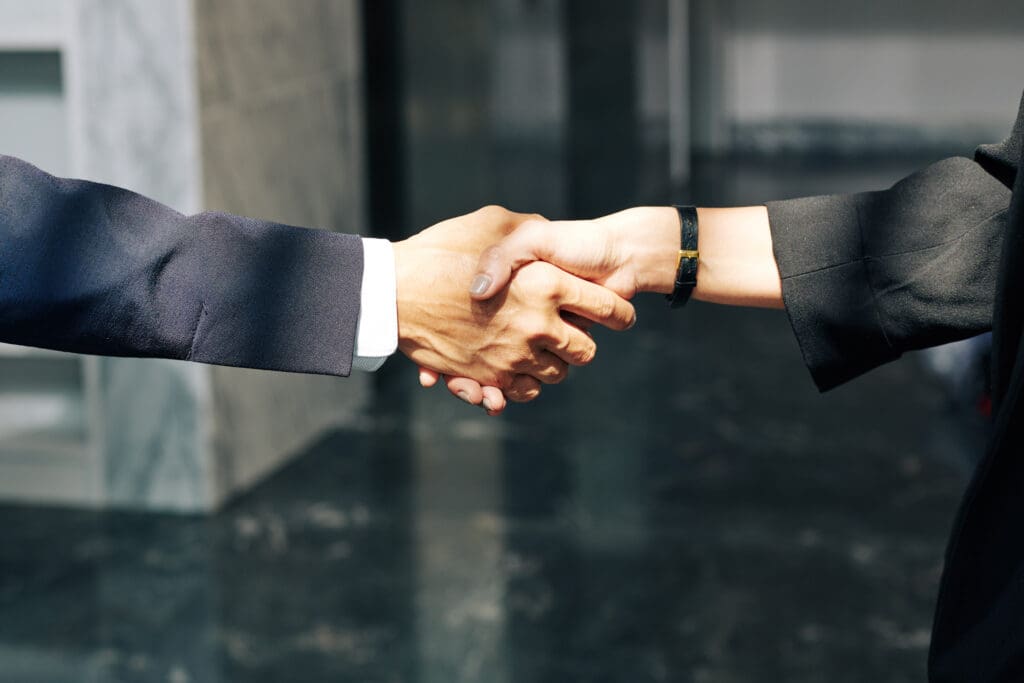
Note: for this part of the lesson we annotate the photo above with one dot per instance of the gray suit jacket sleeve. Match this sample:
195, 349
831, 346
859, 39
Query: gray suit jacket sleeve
91, 268
868, 276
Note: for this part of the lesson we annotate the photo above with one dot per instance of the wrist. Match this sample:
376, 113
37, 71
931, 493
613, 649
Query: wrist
425, 293
648, 239
405, 270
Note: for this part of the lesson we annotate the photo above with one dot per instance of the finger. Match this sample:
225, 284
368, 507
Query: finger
499, 261
428, 377
597, 303
573, 345
523, 389
493, 401
532, 241
547, 368
465, 389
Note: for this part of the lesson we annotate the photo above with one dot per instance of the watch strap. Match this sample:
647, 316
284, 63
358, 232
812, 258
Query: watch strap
686, 268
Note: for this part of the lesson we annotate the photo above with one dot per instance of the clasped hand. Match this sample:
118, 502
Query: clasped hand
517, 293
526, 329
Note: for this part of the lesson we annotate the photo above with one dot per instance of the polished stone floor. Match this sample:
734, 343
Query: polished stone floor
688, 508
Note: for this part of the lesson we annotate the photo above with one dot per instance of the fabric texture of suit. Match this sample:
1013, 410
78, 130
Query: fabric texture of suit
938, 257
91, 268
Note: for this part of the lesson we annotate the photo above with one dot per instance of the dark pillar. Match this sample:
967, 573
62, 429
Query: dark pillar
602, 126
385, 124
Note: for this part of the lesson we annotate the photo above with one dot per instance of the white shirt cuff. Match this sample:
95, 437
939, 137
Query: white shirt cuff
377, 329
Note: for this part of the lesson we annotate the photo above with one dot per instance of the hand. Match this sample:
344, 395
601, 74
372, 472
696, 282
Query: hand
636, 250
470, 391
513, 341
628, 252
491, 398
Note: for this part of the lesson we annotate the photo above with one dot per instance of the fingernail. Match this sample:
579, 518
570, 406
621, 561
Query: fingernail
480, 284
487, 404
464, 396
632, 324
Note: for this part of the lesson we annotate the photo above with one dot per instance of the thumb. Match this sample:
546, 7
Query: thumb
498, 261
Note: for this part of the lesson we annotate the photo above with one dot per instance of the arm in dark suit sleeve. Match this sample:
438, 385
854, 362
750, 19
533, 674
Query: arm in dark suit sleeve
91, 268
868, 276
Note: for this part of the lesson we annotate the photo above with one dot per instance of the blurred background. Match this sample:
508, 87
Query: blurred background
688, 508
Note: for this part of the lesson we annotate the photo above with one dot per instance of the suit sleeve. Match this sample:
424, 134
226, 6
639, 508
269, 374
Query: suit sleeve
91, 268
868, 276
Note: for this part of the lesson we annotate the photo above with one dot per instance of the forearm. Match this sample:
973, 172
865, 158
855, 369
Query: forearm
91, 268
868, 276
736, 264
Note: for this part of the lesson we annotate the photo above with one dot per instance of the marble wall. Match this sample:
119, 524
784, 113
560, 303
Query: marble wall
281, 126
127, 97
248, 107
280, 110
131, 89
132, 64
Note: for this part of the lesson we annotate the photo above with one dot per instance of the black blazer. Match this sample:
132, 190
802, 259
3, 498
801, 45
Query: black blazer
92, 268
938, 257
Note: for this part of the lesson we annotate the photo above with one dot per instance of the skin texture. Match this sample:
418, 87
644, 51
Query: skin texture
512, 342
636, 251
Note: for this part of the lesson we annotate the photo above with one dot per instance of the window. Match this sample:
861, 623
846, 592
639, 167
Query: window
32, 109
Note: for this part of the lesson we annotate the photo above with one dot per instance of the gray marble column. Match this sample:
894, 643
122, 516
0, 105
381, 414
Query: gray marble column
252, 107
280, 115
130, 84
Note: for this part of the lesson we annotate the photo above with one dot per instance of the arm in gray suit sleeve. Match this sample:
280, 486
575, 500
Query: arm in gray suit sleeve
868, 276
91, 268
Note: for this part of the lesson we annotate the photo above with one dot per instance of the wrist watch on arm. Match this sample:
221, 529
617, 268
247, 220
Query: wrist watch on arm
686, 268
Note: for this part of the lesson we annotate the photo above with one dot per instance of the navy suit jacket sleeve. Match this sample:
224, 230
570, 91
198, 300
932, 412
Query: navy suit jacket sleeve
91, 268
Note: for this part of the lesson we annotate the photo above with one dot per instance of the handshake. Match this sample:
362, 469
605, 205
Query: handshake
499, 303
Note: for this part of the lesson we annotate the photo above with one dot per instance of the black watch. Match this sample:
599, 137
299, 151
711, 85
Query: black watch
686, 271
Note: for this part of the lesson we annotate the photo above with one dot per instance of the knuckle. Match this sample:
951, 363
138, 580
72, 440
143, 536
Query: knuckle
528, 385
630, 317
524, 388
492, 254
556, 375
564, 345
492, 212
506, 381
539, 279
532, 327
541, 339
530, 236
544, 329
526, 364
605, 308
586, 353
520, 395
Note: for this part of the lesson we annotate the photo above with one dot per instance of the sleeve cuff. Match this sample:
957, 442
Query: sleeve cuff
377, 330
826, 288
